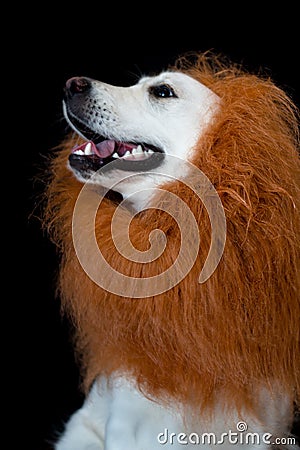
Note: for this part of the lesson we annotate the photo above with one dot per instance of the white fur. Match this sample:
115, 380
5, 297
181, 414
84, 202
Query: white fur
133, 114
116, 416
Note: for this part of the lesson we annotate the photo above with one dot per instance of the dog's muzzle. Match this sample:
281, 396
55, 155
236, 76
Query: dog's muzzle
99, 151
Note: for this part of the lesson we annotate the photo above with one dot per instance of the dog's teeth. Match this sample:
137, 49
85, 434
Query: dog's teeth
88, 149
134, 151
139, 150
150, 151
127, 153
115, 155
79, 152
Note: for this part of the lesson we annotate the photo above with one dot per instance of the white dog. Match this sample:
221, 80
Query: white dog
163, 115
140, 126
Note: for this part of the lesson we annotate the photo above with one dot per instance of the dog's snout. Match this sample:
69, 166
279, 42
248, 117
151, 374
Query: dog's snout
77, 85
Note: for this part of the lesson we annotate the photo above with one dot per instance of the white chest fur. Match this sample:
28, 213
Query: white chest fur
116, 416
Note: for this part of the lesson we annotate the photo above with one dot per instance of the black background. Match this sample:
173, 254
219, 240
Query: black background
83, 41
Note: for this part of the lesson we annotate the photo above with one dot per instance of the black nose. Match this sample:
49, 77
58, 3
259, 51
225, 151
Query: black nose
77, 85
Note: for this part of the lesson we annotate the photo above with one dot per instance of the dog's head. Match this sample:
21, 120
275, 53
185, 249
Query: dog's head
135, 128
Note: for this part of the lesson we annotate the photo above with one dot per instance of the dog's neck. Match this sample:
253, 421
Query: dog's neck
140, 190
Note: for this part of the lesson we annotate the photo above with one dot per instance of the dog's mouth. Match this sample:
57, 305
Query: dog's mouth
107, 150
99, 152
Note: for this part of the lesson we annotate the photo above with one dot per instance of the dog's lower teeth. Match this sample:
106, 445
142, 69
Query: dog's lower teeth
135, 153
138, 152
139, 156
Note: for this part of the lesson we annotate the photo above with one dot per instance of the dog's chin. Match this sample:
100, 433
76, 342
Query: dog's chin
98, 182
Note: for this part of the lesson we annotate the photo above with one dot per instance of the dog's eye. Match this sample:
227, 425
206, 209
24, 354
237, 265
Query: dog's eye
162, 91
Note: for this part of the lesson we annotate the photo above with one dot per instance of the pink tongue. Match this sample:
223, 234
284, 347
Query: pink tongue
105, 148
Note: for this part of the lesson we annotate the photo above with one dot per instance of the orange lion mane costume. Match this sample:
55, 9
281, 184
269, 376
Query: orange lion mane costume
240, 329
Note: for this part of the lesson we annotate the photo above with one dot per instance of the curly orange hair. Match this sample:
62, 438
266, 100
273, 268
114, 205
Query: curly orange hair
241, 328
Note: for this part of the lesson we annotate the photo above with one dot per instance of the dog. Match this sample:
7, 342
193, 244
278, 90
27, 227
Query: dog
186, 362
